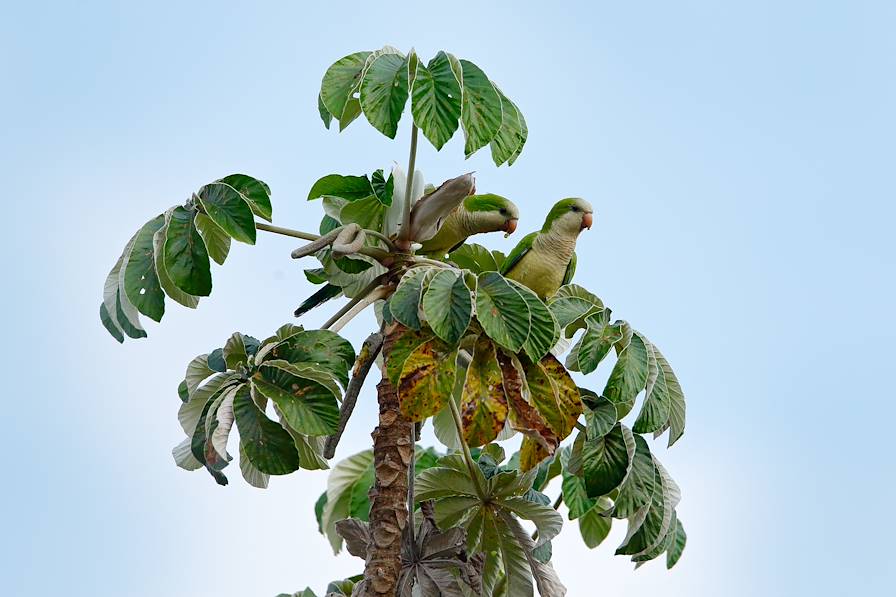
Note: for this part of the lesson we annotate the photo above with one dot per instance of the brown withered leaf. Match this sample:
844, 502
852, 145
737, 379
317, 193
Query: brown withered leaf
483, 403
524, 417
427, 378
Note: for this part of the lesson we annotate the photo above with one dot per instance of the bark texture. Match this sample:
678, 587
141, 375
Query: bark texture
393, 451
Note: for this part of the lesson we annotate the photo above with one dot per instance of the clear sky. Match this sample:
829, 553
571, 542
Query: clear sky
740, 157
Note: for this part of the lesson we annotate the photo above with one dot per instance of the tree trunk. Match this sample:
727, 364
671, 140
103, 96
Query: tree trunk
392, 453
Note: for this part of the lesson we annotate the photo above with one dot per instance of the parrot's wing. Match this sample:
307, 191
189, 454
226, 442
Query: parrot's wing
524, 246
570, 270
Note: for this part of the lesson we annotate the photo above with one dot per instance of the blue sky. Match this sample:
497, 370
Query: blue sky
740, 159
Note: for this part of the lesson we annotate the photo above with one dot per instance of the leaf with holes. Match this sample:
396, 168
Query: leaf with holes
141, 284
340, 82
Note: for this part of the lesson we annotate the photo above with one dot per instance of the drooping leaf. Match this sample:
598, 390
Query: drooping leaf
676, 399
216, 240
594, 527
340, 82
481, 112
606, 460
197, 372
637, 490
110, 325
524, 417
327, 292
266, 444
657, 402
165, 281
448, 306
509, 139
596, 342
235, 351
325, 115
256, 193
571, 304
678, 543
185, 255
384, 92
383, 187
251, 474
483, 404
629, 375
553, 392
229, 210
349, 478
502, 311
141, 284
426, 380
436, 100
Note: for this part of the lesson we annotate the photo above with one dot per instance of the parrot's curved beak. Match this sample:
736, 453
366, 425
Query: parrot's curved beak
587, 220
510, 226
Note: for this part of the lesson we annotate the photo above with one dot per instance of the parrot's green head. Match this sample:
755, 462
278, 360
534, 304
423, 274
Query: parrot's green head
491, 213
569, 217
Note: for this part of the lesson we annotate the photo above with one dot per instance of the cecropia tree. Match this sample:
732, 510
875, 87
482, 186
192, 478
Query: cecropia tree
474, 351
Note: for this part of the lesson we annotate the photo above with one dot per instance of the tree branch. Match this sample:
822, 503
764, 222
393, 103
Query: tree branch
369, 351
379, 293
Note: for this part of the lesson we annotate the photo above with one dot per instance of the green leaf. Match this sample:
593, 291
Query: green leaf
308, 405
266, 444
324, 113
575, 496
657, 402
110, 325
483, 404
571, 304
252, 475
256, 193
436, 100
543, 331
229, 210
448, 306
658, 521
185, 256
594, 527
523, 135
322, 348
405, 302
235, 351
637, 490
481, 113
141, 284
476, 258
383, 188
509, 140
600, 414
427, 378
679, 541
676, 399
596, 342
606, 460
629, 375
351, 188
340, 82
384, 92
368, 213
158, 244
502, 311
197, 372
348, 479
216, 240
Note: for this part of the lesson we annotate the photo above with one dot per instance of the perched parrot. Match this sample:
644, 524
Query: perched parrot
476, 215
546, 260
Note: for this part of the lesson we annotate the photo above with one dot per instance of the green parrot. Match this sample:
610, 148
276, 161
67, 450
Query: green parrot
546, 260
477, 214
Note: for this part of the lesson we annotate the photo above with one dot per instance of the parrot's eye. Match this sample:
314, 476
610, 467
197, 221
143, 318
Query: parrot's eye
503, 211
574, 208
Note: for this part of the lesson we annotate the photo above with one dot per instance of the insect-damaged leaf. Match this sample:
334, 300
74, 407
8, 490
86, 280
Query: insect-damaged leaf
483, 404
384, 92
141, 284
340, 82
427, 377
398, 347
307, 402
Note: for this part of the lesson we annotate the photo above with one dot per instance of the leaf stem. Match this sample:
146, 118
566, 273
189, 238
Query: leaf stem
404, 233
468, 457
286, 231
356, 308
